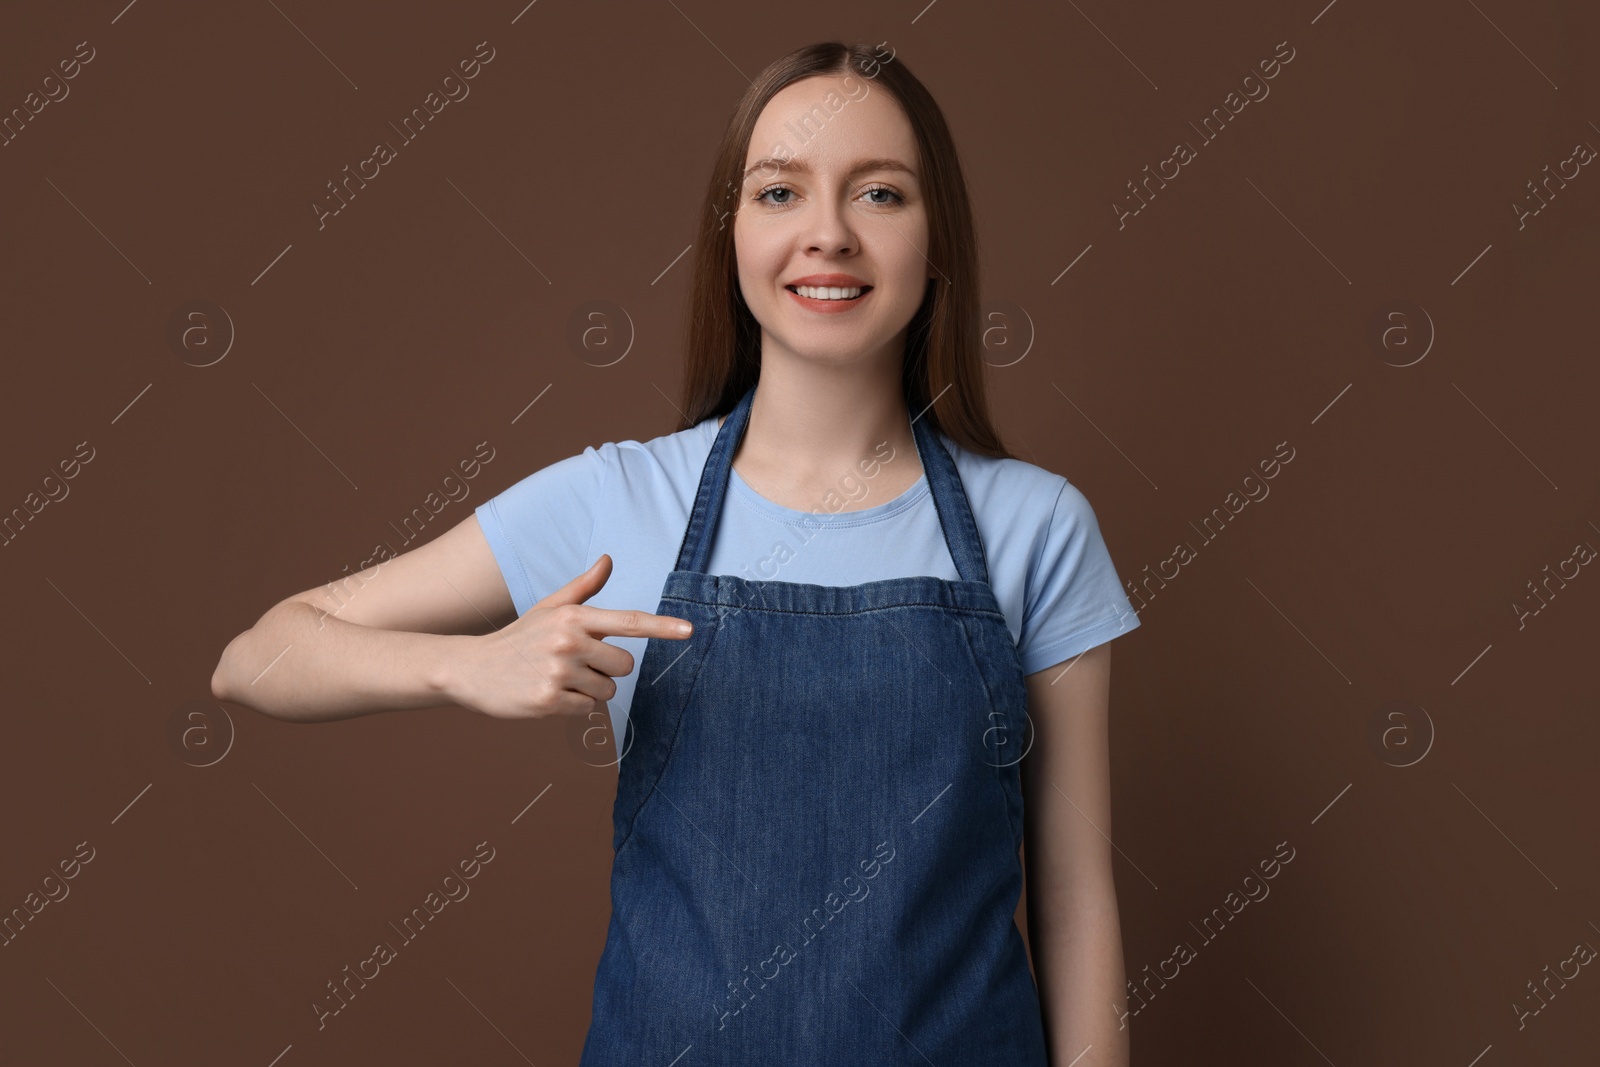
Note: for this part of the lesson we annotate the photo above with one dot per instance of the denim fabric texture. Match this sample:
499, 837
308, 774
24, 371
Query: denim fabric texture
818, 819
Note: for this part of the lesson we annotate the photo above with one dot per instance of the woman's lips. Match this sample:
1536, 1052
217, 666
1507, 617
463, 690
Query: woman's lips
828, 307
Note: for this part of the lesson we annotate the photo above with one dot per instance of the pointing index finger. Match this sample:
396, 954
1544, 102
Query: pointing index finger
634, 623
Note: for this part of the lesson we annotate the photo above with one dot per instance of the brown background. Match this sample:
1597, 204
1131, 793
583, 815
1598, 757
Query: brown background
1233, 313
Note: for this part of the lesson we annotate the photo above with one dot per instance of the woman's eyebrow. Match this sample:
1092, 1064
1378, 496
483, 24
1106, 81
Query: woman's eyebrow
800, 166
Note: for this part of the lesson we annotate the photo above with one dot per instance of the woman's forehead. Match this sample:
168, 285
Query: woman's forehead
813, 124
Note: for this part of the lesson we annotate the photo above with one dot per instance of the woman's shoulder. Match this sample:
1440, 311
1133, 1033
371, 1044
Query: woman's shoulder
674, 451
1006, 481
1023, 505
630, 465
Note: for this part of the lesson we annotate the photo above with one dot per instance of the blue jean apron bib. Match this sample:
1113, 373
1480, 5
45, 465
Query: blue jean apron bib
818, 818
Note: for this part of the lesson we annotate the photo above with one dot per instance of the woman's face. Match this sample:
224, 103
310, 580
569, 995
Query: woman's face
809, 207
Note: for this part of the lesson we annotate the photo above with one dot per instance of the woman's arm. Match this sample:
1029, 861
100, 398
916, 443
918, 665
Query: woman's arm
435, 626
381, 640
1073, 930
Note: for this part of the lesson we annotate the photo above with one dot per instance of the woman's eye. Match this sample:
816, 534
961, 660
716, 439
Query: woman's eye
895, 198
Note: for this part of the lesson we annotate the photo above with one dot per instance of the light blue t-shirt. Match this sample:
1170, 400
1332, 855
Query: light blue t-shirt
1048, 566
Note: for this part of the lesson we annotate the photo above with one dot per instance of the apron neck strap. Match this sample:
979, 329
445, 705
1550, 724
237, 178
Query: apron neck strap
949, 498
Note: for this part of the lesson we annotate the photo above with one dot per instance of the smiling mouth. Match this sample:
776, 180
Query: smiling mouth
843, 295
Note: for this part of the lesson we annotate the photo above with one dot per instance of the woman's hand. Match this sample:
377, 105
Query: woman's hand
552, 660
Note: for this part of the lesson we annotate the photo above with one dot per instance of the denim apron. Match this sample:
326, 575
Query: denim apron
818, 818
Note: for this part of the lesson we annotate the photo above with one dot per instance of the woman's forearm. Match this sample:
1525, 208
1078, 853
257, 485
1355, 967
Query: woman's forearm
1076, 939
304, 665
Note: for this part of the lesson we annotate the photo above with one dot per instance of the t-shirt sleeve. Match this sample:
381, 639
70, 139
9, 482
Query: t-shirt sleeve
1074, 598
540, 528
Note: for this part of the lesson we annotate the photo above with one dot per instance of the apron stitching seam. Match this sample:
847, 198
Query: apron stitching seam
672, 746
998, 777
979, 612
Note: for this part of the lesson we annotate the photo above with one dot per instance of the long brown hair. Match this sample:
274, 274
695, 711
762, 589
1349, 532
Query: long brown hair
723, 344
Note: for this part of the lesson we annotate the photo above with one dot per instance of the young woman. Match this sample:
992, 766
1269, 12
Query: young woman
820, 788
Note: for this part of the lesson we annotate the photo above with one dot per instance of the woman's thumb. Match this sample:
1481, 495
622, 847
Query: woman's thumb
582, 587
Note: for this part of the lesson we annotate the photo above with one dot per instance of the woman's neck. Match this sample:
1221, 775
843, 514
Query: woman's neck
828, 432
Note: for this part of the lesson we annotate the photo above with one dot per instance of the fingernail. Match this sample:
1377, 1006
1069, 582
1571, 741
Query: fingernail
685, 628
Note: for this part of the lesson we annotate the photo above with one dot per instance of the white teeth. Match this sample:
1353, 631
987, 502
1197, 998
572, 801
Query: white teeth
825, 293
